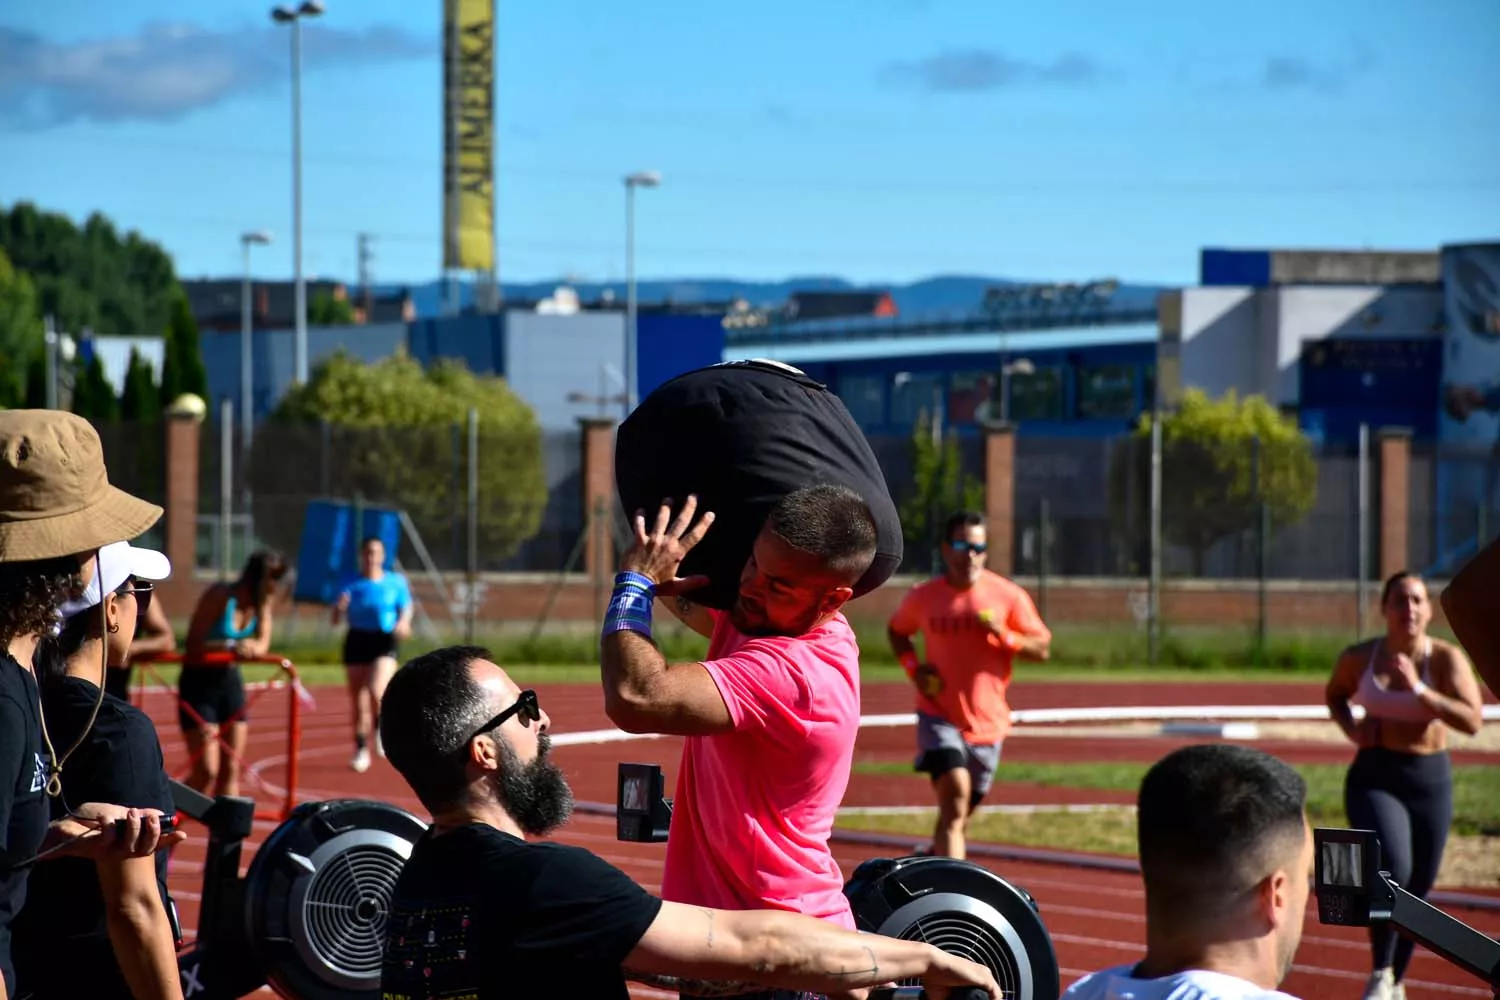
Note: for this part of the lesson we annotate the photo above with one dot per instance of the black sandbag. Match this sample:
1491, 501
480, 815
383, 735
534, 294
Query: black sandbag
741, 436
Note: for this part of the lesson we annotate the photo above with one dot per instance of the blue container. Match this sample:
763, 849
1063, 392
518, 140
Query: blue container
329, 553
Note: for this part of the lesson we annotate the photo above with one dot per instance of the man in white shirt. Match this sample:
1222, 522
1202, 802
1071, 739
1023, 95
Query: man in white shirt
1226, 854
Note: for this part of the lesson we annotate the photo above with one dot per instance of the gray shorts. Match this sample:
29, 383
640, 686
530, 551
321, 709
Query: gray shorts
941, 748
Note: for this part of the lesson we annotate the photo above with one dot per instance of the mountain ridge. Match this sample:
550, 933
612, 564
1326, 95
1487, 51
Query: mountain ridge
952, 294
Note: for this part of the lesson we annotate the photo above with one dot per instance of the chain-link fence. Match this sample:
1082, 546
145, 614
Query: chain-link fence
486, 502
1084, 509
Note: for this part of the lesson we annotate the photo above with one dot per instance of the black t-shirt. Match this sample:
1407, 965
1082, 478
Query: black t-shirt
120, 762
481, 915
23, 805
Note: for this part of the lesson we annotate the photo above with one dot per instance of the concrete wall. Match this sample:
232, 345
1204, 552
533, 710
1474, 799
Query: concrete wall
1251, 339
271, 358
548, 357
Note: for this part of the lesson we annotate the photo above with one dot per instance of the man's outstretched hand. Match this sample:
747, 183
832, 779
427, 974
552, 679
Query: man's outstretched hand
658, 554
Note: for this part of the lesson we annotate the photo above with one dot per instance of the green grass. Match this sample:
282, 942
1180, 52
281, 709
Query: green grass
1078, 652
315, 672
323, 674
1105, 832
1476, 788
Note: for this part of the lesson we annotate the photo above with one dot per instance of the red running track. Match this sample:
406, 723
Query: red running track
1095, 917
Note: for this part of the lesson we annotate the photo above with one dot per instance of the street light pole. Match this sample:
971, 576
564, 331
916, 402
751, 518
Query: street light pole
289, 15
646, 179
247, 326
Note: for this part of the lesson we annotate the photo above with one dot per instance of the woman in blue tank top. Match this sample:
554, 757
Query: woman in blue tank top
233, 618
377, 605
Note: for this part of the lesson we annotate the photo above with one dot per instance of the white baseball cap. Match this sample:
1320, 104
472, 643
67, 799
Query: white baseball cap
118, 562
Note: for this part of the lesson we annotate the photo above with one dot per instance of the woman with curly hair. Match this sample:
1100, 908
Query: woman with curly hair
57, 509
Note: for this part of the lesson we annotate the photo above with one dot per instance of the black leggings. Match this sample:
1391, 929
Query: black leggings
1408, 800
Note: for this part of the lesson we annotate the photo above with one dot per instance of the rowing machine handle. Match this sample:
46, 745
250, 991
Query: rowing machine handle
917, 993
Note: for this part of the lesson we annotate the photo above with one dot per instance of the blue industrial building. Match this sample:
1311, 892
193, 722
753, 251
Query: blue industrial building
1056, 360
1333, 338
1061, 383
1078, 375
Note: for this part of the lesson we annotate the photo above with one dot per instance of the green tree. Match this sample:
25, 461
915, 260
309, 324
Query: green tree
182, 367
939, 486
1211, 449
93, 396
392, 441
89, 276
325, 310
139, 400
36, 378
20, 331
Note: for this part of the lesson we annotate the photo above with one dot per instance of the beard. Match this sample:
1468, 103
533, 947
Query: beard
757, 624
536, 795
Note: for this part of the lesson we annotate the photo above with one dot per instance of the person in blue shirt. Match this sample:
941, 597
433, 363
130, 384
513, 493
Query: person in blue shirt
377, 605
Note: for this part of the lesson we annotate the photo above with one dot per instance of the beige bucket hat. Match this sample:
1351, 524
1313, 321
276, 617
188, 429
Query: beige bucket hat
55, 496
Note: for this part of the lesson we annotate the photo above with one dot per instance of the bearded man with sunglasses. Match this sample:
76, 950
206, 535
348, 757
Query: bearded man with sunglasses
974, 623
479, 911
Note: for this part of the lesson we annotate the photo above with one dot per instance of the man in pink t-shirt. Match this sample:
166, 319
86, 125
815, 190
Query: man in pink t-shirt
770, 717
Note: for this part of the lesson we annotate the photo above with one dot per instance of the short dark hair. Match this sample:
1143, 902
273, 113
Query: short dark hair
430, 709
830, 522
961, 521
1212, 821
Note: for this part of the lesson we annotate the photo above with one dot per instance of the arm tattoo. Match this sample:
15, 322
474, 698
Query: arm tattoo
873, 970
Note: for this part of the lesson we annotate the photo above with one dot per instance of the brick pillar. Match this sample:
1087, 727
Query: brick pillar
1000, 496
1395, 497
183, 431
598, 439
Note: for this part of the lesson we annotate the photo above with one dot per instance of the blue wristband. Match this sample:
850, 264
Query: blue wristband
629, 578
630, 605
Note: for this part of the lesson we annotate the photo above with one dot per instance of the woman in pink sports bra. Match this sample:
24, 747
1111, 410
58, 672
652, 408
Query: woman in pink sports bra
1413, 689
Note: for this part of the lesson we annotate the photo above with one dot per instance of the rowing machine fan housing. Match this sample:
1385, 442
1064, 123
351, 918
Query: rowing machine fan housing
318, 892
966, 911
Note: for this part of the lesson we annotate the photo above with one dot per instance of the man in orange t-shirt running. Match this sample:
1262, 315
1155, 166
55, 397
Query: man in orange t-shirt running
974, 623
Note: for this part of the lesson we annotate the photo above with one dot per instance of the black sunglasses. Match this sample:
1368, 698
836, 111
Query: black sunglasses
979, 547
525, 706
142, 590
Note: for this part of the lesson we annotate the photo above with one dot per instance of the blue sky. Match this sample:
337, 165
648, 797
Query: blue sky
877, 140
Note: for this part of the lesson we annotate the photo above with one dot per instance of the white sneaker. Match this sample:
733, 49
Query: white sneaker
1382, 986
361, 763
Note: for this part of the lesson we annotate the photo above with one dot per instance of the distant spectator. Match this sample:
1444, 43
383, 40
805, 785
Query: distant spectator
377, 605
1415, 691
974, 625
233, 618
